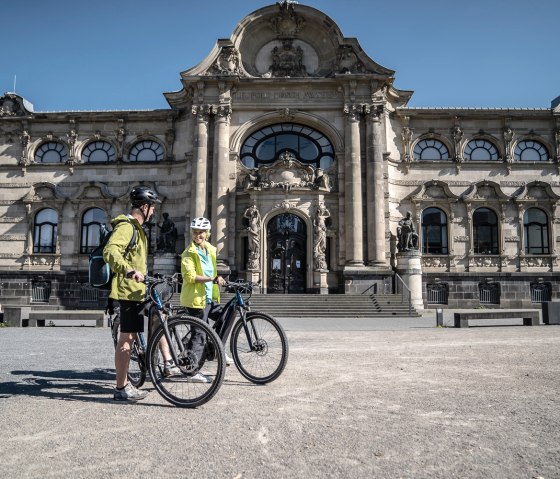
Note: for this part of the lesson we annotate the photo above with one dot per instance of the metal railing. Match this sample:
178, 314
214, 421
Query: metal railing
489, 293
401, 287
541, 292
88, 294
40, 292
438, 293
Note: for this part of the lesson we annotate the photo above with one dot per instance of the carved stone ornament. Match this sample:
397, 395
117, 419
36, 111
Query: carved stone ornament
347, 61
227, 63
287, 173
12, 105
287, 60
287, 22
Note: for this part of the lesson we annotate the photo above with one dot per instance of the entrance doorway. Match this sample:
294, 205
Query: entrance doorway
287, 262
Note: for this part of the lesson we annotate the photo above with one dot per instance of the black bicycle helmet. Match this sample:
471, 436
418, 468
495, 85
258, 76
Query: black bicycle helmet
143, 195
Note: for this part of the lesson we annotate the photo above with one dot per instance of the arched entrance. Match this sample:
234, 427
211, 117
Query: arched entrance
287, 262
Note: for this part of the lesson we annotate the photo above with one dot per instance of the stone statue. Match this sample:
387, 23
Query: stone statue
407, 238
254, 230
168, 235
320, 244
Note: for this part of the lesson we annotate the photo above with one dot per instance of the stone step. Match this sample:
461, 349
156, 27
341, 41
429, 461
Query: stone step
332, 305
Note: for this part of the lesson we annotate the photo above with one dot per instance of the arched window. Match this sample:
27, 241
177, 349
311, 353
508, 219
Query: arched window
306, 144
431, 150
45, 231
51, 152
99, 152
147, 150
529, 150
434, 231
485, 230
480, 150
92, 219
535, 225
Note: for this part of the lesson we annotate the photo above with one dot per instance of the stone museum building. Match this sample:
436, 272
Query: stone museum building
308, 162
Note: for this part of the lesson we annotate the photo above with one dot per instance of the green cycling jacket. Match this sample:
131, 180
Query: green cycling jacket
193, 295
136, 258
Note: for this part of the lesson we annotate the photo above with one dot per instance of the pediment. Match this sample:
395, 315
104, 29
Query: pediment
485, 191
287, 40
434, 190
43, 191
535, 191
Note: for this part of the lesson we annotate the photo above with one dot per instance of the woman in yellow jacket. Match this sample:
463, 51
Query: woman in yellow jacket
200, 283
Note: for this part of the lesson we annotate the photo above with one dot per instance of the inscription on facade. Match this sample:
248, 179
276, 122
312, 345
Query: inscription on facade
460, 239
512, 239
267, 96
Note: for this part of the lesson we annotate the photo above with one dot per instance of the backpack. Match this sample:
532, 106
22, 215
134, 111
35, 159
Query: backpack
100, 274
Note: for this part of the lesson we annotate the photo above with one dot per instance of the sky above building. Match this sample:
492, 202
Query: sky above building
123, 54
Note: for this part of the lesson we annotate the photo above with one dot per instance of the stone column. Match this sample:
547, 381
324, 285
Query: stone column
220, 183
409, 267
353, 188
200, 177
375, 208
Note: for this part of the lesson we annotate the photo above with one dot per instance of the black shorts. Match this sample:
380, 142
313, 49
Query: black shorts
132, 316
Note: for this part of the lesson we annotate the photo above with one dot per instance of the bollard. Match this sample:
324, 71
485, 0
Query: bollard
439, 317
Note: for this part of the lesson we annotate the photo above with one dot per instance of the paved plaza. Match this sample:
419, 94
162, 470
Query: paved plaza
393, 398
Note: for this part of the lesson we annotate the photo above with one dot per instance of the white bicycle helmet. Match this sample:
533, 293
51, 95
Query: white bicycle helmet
200, 223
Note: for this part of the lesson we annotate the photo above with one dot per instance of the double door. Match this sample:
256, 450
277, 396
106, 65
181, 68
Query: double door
287, 262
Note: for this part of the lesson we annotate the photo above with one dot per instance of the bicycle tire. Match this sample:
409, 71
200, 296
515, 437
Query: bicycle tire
179, 389
137, 368
267, 362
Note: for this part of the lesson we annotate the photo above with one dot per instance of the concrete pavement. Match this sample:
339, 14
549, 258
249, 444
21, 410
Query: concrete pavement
359, 399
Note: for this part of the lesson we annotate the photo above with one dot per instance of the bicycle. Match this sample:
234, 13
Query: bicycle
176, 332
258, 343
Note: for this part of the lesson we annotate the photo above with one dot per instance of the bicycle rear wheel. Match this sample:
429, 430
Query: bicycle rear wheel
137, 368
184, 390
260, 353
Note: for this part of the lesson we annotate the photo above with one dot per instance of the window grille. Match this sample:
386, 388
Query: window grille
438, 293
40, 292
541, 292
489, 293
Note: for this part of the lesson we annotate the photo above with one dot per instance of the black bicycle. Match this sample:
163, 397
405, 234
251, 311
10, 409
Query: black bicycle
258, 343
170, 337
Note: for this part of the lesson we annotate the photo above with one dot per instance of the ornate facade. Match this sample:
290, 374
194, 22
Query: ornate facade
305, 157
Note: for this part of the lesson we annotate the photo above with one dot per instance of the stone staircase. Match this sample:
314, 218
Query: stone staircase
325, 306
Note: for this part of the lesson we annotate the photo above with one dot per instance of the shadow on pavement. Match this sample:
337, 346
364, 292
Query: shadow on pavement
61, 384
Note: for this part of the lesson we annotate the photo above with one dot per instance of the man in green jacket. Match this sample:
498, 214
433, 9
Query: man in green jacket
129, 267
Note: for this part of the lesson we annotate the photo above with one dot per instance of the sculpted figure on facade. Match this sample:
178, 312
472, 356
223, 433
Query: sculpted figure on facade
407, 237
254, 231
320, 243
167, 236
24, 138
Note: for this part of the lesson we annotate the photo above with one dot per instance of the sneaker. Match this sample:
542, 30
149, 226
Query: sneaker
199, 378
129, 393
229, 361
170, 369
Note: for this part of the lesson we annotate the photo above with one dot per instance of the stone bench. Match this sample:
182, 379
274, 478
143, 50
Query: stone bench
22, 316
531, 317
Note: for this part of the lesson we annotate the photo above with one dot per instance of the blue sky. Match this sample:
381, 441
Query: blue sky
123, 54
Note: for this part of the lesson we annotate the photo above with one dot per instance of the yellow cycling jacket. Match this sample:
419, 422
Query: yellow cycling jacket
193, 295
136, 258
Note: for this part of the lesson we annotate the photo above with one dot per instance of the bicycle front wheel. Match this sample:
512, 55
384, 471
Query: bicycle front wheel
260, 351
137, 368
202, 368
